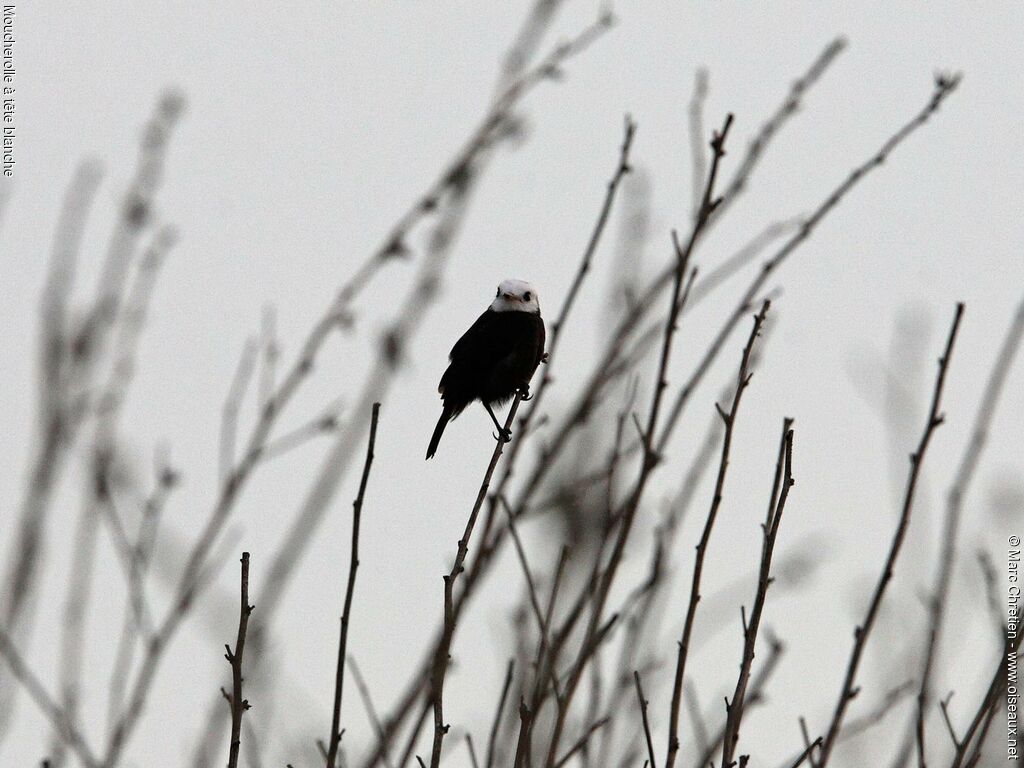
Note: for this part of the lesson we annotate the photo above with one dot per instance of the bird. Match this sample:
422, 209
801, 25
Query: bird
495, 358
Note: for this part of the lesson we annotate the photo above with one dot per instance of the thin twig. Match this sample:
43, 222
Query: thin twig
770, 529
238, 704
371, 711
806, 754
525, 726
939, 597
755, 695
582, 741
357, 508
441, 656
968, 749
729, 420
472, 752
643, 716
492, 740
863, 631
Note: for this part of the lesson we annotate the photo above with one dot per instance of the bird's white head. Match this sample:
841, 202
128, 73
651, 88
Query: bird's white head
516, 296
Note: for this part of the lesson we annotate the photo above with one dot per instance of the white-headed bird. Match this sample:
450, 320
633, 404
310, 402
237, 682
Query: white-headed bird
495, 358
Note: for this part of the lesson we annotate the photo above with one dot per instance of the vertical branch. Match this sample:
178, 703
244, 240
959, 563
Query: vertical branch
770, 529
862, 632
968, 749
643, 717
700, 164
443, 651
141, 554
57, 367
729, 419
525, 728
235, 701
954, 506
357, 508
232, 405
755, 695
492, 741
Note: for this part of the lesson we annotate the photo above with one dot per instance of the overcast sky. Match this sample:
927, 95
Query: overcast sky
310, 128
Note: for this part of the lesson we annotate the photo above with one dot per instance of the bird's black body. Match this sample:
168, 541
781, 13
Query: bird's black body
493, 359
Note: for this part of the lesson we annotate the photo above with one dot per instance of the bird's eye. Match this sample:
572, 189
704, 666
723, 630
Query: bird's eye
526, 296
497, 293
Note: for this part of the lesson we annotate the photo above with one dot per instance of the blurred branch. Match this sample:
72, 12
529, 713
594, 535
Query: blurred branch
582, 741
492, 740
55, 427
103, 477
56, 714
863, 631
364, 694
166, 480
889, 701
490, 130
324, 424
700, 165
357, 508
789, 107
232, 405
270, 352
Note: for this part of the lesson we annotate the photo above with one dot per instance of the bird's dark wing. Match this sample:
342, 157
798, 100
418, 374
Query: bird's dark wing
478, 341
541, 341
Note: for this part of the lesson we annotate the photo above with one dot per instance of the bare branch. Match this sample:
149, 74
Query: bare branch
862, 632
441, 657
770, 530
357, 508
954, 508
492, 741
742, 381
238, 704
44, 701
643, 716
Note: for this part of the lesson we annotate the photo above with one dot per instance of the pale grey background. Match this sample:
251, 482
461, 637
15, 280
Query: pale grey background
310, 127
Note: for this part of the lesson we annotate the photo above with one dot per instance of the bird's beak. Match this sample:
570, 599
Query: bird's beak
509, 296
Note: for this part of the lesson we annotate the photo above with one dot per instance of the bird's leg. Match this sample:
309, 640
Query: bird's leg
503, 434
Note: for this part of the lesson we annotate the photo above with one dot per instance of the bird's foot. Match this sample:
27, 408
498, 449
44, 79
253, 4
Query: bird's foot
503, 436
524, 393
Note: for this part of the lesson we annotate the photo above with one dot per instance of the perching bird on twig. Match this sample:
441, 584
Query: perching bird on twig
495, 358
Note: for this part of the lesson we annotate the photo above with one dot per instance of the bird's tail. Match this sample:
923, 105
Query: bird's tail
442, 422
